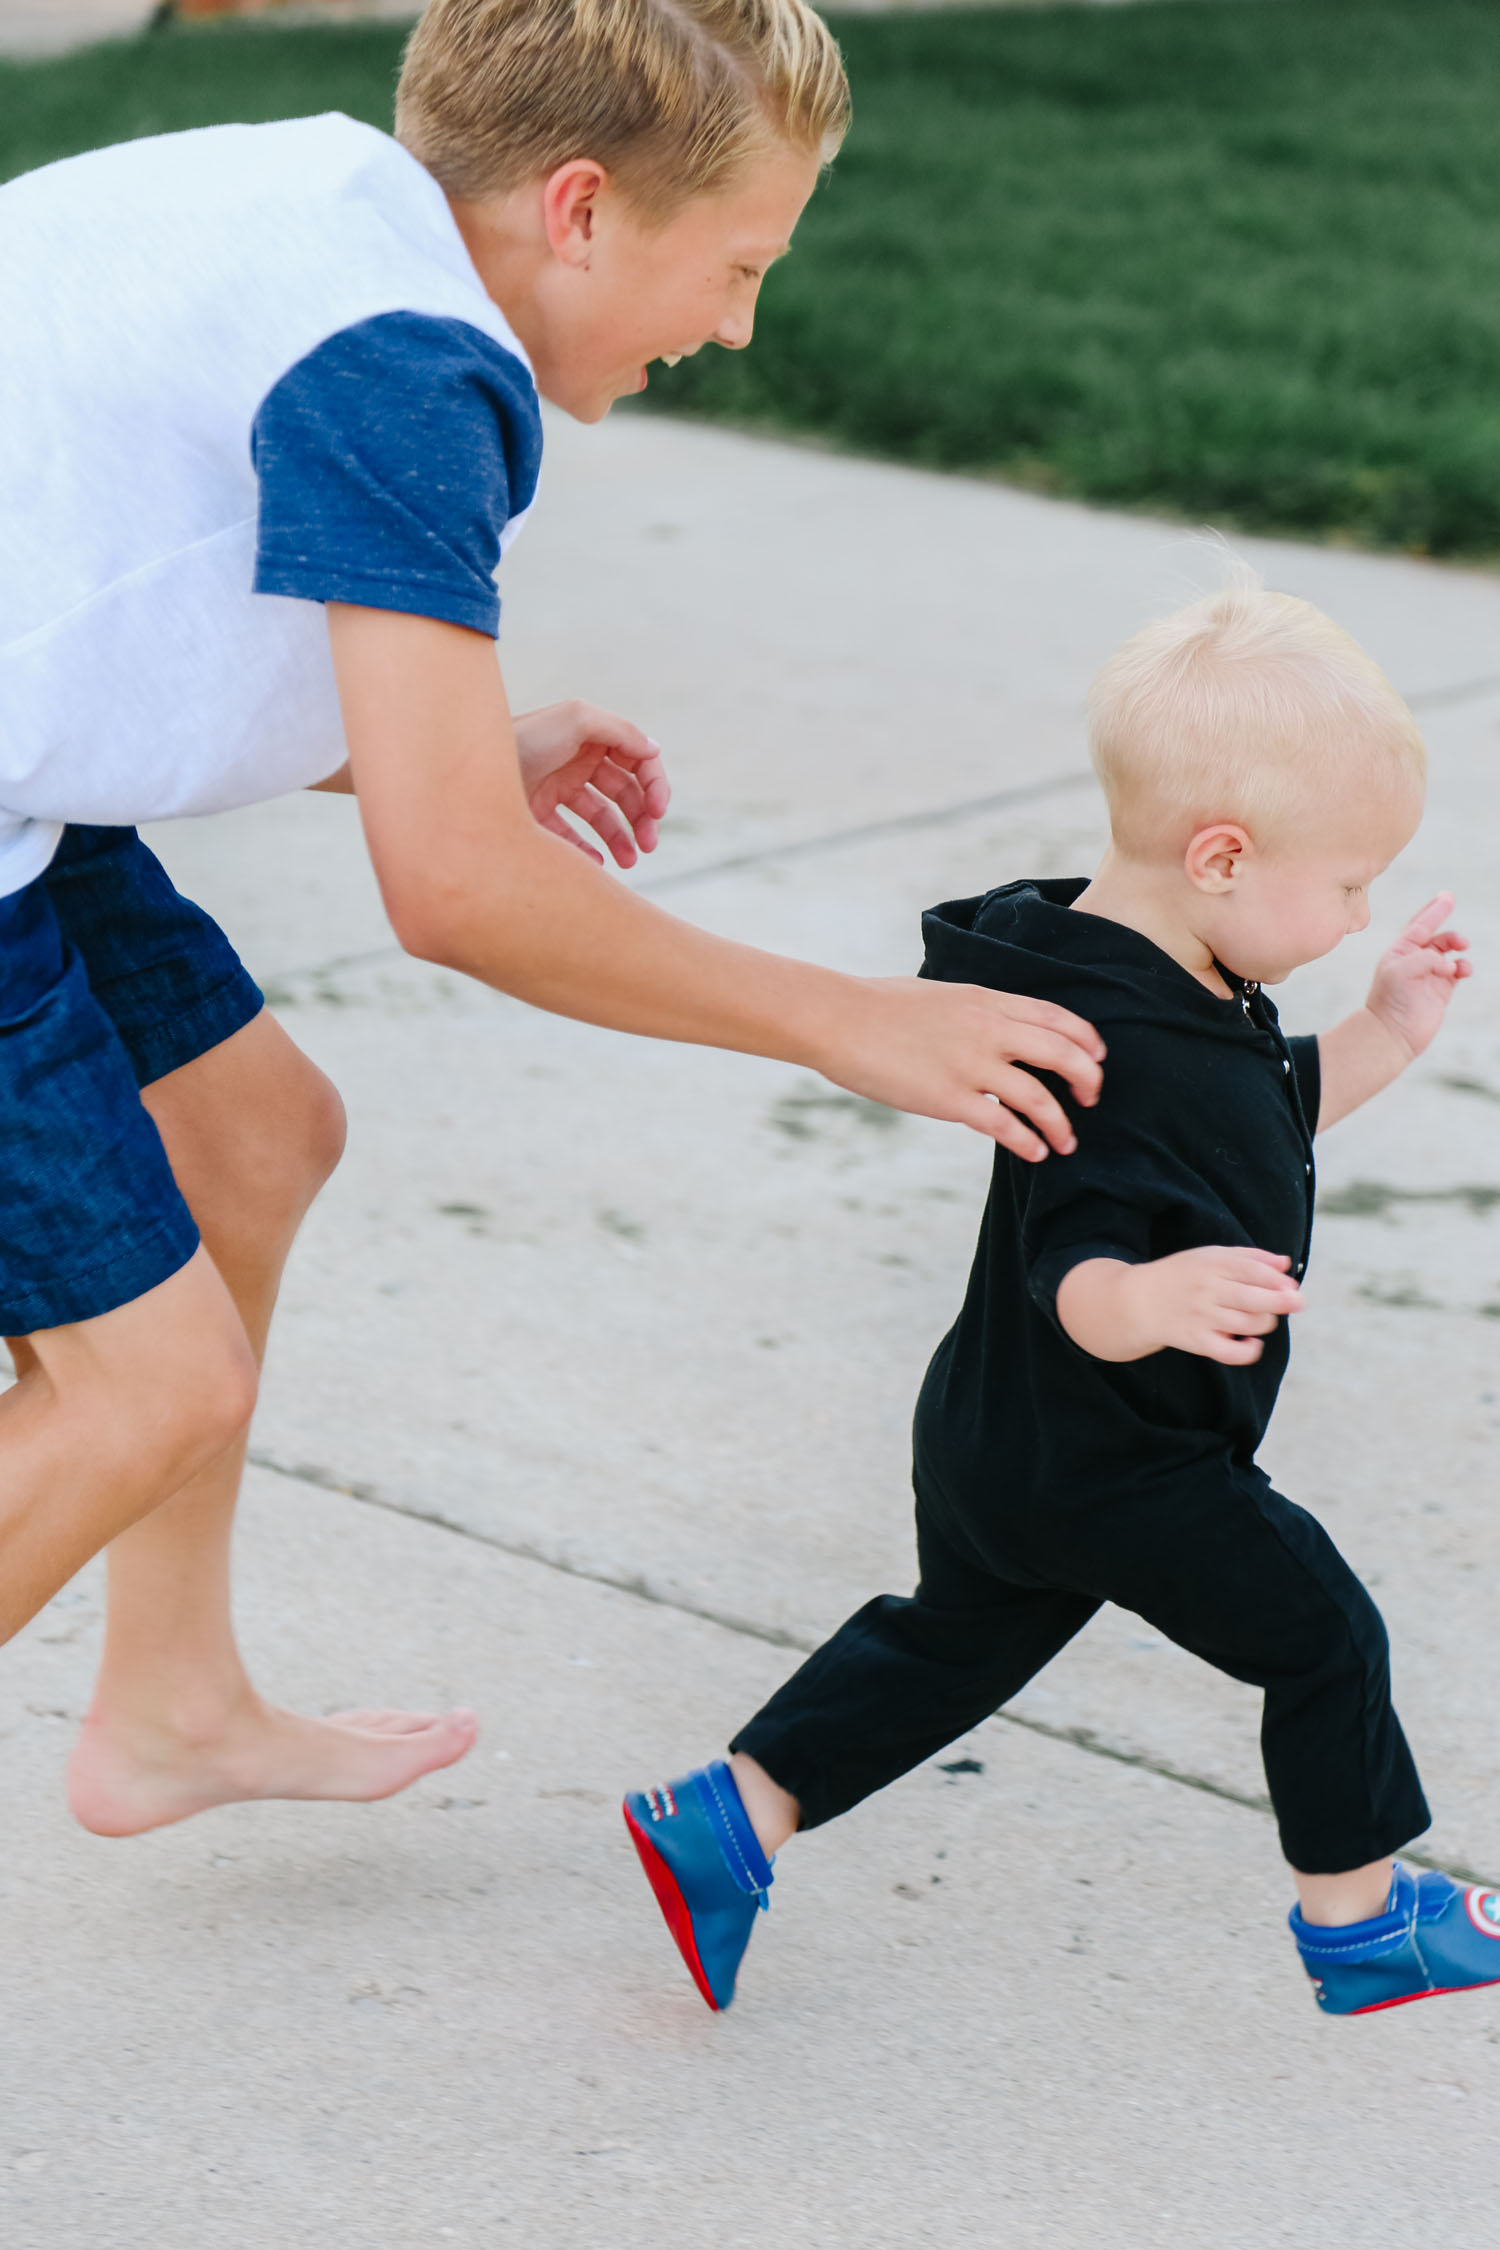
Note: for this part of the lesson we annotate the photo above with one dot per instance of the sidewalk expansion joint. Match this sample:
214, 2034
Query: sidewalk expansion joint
774, 1636
773, 855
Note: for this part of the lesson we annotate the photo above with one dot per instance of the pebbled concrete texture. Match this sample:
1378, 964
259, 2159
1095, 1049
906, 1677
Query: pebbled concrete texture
588, 1405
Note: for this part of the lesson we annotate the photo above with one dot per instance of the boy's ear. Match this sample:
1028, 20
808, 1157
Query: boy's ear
570, 198
1216, 857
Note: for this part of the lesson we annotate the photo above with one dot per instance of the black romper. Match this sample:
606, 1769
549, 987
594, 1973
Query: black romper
1049, 1482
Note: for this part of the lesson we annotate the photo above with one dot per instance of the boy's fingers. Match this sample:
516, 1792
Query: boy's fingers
592, 723
1047, 1016
1018, 1090
608, 824
1043, 1049
557, 826
997, 1123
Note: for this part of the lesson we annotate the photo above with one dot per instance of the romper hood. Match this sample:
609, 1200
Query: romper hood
1024, 938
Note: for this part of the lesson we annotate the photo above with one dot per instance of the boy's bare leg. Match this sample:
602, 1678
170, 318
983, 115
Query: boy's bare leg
105, 1415
252, 1130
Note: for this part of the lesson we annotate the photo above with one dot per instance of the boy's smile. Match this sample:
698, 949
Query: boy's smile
596, 293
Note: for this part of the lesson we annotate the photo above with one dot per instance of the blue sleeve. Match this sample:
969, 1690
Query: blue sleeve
390, 459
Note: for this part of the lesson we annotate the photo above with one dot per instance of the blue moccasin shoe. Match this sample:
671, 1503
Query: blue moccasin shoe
1434, 1936
707, 1869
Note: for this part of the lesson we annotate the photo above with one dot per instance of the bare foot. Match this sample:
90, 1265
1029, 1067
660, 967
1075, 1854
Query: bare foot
124, 1779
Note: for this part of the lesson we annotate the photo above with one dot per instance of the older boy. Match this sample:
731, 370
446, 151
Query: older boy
1087, 1430
269, 404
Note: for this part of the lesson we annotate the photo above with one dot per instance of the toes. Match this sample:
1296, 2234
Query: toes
404, 1722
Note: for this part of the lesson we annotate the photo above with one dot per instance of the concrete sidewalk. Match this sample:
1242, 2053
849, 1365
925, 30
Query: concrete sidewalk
588, 1405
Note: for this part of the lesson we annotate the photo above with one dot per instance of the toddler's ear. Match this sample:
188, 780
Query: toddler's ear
1215, 857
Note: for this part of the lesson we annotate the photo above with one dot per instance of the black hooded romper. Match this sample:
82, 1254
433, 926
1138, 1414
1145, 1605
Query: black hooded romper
1049, 1482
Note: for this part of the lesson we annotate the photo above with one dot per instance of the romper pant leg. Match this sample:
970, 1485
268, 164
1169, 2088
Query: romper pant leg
1241, 1577
904, 1678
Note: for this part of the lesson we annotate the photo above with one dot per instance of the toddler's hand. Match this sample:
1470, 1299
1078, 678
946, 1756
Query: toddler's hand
1215, 1303
1415, 978
576, 758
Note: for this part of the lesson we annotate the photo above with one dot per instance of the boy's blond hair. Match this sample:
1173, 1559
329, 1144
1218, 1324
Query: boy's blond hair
673, 97
1246, 706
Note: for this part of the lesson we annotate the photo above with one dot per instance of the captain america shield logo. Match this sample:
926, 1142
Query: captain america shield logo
1484, 1910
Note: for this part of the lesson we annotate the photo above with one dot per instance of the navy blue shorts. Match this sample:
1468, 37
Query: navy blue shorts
109, 979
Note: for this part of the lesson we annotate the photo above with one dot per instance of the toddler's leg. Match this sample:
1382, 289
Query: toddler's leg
1256, 1586
898, 1682
252, 1130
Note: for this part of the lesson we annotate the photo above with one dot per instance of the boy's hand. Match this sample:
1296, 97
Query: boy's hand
1415, 978
576, 758
951, 1051
1215, 1303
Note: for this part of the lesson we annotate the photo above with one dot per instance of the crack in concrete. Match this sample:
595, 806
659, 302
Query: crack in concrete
774, 1636
1447, 699
805, 847
875, 831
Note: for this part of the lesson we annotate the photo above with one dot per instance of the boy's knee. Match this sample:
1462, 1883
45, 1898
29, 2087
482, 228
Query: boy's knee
323, 1130
209, 1397
284, 1158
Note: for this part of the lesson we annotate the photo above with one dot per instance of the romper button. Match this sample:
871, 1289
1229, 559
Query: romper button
1307, 1171
1285, 1064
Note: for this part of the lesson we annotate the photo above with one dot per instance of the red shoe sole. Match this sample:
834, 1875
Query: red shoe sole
1434, 1992
673, 1905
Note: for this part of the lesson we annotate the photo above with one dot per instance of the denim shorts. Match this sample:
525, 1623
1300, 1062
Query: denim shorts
109, 979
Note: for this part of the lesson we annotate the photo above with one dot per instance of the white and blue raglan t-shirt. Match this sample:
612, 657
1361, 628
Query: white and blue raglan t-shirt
242, 372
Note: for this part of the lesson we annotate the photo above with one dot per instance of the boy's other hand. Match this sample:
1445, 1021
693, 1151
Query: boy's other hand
576, 758
952, 1051
1415, 978
1215, 1303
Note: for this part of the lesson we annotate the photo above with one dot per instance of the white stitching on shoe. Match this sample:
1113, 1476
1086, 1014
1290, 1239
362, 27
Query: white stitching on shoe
729, 1832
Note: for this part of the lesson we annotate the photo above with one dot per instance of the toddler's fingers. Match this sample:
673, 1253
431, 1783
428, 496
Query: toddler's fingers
1429, 918
1246, 1320
1234, 1351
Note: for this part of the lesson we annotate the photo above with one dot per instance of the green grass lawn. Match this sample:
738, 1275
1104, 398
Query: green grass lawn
1239, 259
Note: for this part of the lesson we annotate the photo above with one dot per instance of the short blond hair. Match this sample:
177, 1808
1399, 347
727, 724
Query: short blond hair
1247, 706
673, 97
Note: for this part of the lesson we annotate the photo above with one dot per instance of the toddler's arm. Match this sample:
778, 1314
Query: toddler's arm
472, 880
1408, 999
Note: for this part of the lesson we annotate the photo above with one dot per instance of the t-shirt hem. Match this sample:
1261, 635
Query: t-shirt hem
403, 595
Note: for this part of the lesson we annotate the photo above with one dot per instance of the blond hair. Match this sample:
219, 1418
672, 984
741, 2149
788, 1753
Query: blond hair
673, 97
1246, 706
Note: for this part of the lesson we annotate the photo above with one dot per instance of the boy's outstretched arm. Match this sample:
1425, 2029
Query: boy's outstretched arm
1408, 999
470, 879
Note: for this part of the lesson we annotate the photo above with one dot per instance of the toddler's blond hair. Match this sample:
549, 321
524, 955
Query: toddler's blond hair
673, 97
1246, 706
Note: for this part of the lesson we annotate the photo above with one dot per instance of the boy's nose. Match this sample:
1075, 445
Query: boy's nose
734, 331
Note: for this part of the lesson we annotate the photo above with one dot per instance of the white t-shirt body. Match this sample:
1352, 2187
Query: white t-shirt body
244, 371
